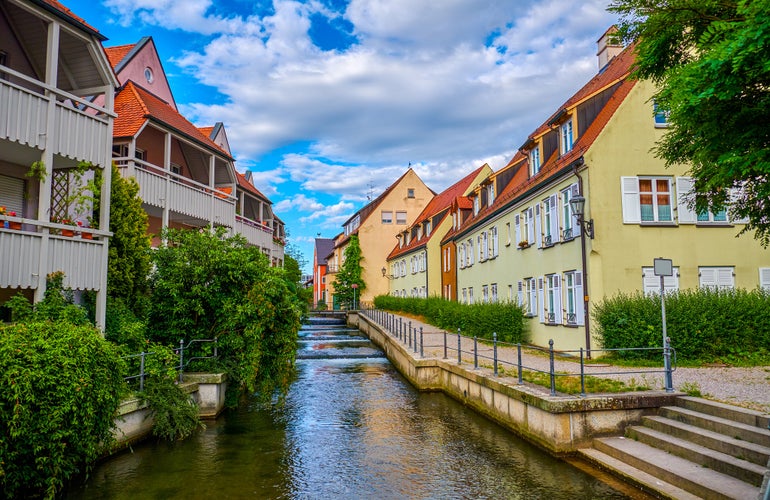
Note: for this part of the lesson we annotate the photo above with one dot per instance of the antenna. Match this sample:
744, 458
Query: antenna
370, 192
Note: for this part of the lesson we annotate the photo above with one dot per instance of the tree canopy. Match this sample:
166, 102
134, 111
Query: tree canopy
350, 274
709, 59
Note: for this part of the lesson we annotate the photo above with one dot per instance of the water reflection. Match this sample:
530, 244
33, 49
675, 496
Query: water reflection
348, 428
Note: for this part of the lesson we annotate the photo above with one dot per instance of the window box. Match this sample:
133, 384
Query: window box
523, 244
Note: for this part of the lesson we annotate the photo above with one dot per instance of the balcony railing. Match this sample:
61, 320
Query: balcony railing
255, 233
184, 196
77, 256
78, 134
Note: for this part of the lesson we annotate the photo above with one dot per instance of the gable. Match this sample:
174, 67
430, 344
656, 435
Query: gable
141, 64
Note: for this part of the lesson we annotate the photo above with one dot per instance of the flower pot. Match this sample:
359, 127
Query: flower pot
87, 236
14, 225
68, 232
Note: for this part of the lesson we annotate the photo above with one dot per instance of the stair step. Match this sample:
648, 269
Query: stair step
714, 460
646, 482
682, 473
737, 430
734, 413
754, 453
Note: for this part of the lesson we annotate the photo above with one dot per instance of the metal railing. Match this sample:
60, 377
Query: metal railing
413, 338
183, 363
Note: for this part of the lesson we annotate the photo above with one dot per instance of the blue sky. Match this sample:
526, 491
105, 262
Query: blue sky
329, 101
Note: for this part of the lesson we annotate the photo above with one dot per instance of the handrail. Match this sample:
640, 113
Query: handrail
159, 171
55, 225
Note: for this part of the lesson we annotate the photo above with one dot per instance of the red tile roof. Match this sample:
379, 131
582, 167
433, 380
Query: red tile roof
117, 54
243, 183
60, 9
135, 105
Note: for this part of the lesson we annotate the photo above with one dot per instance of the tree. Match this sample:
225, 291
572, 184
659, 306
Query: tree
350, 274
709, 60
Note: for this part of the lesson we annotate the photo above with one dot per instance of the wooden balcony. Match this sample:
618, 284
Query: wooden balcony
31, 252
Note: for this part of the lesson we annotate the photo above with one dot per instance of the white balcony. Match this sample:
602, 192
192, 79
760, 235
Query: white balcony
255, 233
30, 253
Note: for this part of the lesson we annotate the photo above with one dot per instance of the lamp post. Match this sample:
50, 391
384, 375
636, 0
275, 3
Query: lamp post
354, 286
665, 267
577, 204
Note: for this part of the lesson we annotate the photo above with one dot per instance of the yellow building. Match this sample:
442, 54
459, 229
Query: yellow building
596, 146
377, 225
415, 263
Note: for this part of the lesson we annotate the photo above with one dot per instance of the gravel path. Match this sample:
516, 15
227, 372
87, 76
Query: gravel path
745, 387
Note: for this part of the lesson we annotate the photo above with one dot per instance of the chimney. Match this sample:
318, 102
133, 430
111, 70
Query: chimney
608, 46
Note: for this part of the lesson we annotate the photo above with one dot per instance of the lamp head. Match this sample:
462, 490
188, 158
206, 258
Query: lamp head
578, 205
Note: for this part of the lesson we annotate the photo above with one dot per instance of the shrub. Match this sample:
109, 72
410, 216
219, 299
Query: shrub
480, 320
60, 386
704, 325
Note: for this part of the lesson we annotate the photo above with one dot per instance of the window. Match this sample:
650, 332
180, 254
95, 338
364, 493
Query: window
469, 254
534, 161
483, 241
647, 199
570, 230
176, 169
566, 137
410, 193
493, 243
476, 205
573, 295
720, 278
428, 227
400, 217
465, 295
530, 300
490, 194
553, 299
550, 221
403, 267
485, 294
387, 217
661, 115
148, 75
12, 194
470, 295
508, 232
493, 291
461, 256
764, 278
651, 283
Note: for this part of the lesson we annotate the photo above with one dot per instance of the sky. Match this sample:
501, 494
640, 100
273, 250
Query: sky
328, 102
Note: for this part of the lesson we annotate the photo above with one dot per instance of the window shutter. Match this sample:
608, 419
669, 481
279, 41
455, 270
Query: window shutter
521, 293
764, 278
557, 298
708, 277
650, 282
684, 196
576, 228
531, 226
579, 304
725, 279
554, 218
12, 194
517, 224
538, 226
631, 210
541, 299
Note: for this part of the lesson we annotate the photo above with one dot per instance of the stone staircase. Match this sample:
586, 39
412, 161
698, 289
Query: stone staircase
696, 449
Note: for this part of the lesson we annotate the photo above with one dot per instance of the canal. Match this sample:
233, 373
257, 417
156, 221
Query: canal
349, 427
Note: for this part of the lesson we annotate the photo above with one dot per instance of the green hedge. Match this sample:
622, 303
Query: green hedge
704, 325
480, 320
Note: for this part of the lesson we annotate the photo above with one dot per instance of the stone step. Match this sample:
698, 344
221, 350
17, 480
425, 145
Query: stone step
714, 460
734, 413
737, 448
737, 430
679, 472
633, 476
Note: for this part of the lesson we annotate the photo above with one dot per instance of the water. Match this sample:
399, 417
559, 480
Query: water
350, 427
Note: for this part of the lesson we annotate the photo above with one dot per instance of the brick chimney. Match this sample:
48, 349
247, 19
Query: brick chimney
608, 46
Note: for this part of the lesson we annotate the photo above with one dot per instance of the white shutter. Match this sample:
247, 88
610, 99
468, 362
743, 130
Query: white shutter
538, 226
532, 296
557, 299
579, 304
12, 194
554, 218
650, 282
764, 278
708, 277
725, 278
521, 293
684, 197
531, 225
576, 228
631, 210
517, 223
541, 299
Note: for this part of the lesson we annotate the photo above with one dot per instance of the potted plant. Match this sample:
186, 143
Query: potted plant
9, 224
85, 235
523, 244
67, 222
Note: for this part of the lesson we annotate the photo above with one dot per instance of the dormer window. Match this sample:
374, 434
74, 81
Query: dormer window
534, 160
490, 194
427, 228
566, 137
476, 205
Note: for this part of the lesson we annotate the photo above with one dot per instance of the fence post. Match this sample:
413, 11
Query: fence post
422, 345
216, 344
553, 374
521, 375
669, 374
415, 340
494, 352
445, 347
475, 353
410, 333
181, 358
459, 348
582, 375
141, 371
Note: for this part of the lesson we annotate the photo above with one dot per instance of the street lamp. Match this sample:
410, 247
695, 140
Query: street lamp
385, 274
578, 205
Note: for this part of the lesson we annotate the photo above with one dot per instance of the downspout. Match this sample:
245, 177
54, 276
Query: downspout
586, 319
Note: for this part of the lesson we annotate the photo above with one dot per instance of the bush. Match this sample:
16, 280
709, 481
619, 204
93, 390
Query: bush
60, 386
730, 326
480, 320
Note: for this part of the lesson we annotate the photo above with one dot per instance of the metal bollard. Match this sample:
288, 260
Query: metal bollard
422, 345
553, 374
475, 353
445, 347
459, 348
582, 375
521, 375
494, 351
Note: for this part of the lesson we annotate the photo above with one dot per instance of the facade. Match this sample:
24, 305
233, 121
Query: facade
323, 247
415, 265
56, 123
377, 225
597, 145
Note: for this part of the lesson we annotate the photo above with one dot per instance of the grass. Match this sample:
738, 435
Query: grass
570, 384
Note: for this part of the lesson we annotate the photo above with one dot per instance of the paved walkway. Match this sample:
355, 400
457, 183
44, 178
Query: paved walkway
746, 387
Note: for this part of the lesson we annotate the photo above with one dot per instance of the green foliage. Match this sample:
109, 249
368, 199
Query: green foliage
730, 326
207, 285
60, 386
709, 59
57, 304
129, 254
480, 320
350, 274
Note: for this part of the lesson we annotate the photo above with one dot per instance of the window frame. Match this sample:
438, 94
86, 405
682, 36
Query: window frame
566, 137
399, 221
383, 213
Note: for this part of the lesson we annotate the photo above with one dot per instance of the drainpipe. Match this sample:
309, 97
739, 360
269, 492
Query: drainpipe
586, 319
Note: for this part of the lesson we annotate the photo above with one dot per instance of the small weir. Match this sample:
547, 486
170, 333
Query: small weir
349, 427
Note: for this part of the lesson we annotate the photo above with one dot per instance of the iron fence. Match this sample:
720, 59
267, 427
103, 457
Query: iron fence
184, 359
